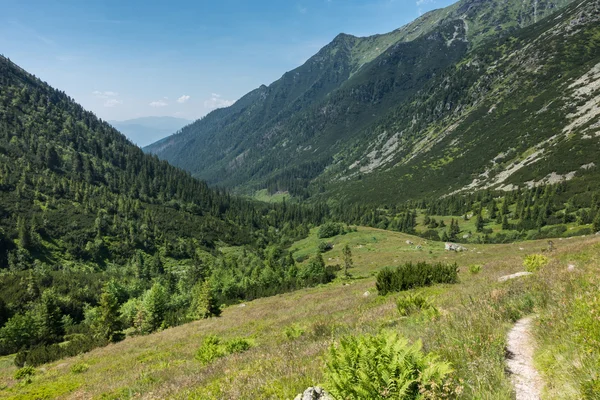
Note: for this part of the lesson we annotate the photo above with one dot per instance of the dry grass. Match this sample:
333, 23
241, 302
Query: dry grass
470, 333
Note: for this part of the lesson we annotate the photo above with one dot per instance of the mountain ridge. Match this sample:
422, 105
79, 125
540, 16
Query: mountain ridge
295, 134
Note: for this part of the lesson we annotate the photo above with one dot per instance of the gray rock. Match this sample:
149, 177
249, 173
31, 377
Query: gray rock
314, 393
513, 276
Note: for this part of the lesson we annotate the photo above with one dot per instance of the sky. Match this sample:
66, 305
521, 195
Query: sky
125, 59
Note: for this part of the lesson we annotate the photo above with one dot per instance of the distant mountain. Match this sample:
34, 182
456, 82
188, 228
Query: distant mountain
146, 130
479, 94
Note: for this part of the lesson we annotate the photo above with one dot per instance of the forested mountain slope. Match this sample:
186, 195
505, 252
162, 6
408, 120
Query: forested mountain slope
304, 132
89, 223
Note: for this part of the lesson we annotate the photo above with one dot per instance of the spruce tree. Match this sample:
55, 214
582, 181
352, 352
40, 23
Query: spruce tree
109, 322
596, 224
155, 308
204, 304
24, 233
347, 259
50, 317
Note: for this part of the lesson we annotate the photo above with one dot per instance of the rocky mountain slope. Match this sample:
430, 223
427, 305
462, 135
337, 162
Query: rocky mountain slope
456, 100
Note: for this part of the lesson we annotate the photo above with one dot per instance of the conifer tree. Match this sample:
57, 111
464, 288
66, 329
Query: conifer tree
24, 233
50, 317
204, 304
155, 308
347, 252
109, 322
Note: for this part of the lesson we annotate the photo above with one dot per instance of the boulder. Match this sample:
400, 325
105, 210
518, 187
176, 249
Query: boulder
366, 294
314, 393
455, 247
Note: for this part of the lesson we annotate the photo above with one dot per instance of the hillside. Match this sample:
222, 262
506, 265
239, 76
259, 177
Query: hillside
291, 333
376, 118
89, 223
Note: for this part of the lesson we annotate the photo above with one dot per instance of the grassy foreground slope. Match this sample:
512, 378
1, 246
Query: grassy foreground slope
470, 332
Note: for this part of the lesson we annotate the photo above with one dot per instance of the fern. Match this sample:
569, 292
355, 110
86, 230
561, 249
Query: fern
385, 366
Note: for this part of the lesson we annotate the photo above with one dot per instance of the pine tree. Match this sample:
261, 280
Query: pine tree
155, 307
204, 304
109, 322
24, 233
50, 317
505, 224
347, 252
596, 224
52, 158
479, 223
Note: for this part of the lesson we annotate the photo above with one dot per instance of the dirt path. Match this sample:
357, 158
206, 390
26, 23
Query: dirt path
525, 378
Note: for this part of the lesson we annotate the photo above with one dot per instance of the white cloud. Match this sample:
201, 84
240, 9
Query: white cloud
104, 95
183, 98
112, 102
159, 103
216, 101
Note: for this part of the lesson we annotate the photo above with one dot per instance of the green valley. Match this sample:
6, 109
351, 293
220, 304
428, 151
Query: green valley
408, 215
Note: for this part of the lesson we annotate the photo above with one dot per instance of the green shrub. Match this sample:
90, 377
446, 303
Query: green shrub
293, 332
475, 269
412, 303
213, 348
534, 262
24, 373
210, 350
79, 368
237, 345
382, 367
411, 275
44, 354
325, 246
330, 229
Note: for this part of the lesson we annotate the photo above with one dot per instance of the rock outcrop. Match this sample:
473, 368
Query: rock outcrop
314, 393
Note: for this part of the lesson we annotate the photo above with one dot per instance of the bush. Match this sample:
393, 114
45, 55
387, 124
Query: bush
412, 303
382, 367
237, 345
47, 353
330, 229
411, 275
293, 332
325, 246
24, 373
475, 269
534, 262
213, 348
79, 368
210, 350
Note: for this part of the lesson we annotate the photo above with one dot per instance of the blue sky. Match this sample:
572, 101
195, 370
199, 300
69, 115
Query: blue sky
128, 58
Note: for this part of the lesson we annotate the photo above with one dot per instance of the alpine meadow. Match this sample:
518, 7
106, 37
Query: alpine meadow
408, 215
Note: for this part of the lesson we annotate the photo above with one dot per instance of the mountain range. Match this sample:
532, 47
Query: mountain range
481, 94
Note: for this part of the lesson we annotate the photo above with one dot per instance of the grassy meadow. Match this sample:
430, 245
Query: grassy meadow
290, 333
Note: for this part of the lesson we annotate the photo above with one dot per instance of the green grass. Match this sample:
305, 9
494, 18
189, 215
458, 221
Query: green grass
263, 195
469, 332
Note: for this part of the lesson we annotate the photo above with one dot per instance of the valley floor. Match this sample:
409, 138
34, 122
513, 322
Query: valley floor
292, 332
